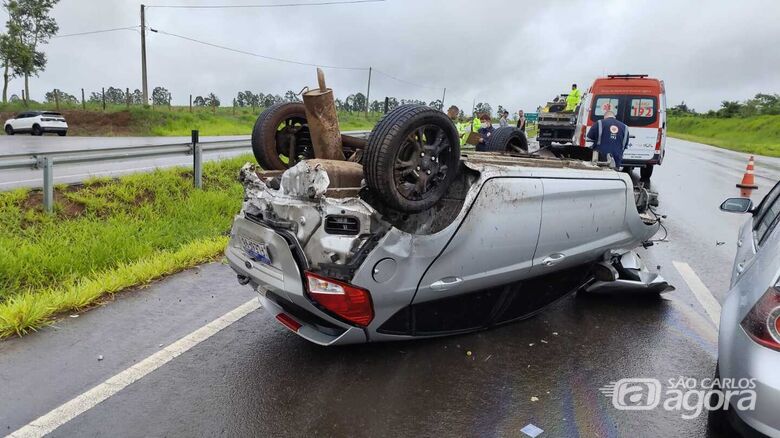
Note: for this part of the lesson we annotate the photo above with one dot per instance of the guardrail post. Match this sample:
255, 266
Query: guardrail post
48, 185
197, 161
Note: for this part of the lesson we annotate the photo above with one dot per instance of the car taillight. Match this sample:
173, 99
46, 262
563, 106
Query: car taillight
762, 323
345, 300
658, 140
582, 135
288, 321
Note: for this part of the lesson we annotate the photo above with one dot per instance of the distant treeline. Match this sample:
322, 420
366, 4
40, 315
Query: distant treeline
761, 104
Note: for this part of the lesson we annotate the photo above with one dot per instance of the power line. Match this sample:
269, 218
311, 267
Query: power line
282, 5
96, 31
405, 81
257, 55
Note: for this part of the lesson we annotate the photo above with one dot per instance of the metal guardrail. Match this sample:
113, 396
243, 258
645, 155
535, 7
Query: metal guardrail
46, 160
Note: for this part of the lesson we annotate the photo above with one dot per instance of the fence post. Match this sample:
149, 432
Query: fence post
104, 98
197, 161
48, 184
127, 97
24, 99
190, 102
83, 101
387, 103
57, 98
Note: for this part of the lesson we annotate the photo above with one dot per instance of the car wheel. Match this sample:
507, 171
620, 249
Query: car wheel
62, 134
507, 139
9, 130
412, 157
646, 172
274, 129
36, 130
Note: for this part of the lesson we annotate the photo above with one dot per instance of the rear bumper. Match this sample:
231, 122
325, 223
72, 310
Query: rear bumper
656, 160
280, 283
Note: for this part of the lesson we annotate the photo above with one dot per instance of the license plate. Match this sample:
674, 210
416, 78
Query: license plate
256, 251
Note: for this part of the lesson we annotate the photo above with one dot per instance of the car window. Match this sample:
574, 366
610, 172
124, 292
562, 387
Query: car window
50, 113
602, 104
767, 222
763, 207
642, 111
21, 116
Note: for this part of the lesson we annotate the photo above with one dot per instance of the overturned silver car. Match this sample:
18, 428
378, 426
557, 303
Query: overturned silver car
509, 234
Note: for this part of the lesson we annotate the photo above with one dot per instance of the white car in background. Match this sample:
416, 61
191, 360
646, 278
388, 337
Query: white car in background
37, 123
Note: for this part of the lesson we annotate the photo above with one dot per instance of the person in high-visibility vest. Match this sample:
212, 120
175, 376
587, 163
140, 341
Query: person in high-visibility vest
463, 132
573, 99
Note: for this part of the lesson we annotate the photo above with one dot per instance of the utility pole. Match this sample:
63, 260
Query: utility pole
145, 89
368, 92
443, 95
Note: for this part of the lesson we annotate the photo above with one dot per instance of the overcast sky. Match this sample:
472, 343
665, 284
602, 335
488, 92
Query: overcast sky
514, 53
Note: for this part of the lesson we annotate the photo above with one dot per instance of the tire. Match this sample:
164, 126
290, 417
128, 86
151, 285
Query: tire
507, 139
36, 130
270, 140
62, 133
646, 172
412, 158
9, 130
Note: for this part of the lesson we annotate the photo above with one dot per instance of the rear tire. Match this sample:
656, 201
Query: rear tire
507, 139
646, 172
9, 130
36, 130
270, 140
412, 157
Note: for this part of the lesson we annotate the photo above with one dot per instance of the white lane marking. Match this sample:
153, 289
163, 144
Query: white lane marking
700, 291
69, 410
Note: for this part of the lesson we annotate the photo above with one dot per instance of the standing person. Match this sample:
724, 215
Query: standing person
610, 137
521, 120
503, 122
485, 131
463, 131
573, 99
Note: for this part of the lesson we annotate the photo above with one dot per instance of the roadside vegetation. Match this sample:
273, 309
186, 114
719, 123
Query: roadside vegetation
752, 126
108, 235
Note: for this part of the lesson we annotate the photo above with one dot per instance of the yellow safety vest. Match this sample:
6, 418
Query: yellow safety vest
572, 100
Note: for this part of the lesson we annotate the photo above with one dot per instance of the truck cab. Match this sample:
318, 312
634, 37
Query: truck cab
638, 101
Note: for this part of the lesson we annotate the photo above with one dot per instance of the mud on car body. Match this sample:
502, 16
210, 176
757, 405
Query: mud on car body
510, 235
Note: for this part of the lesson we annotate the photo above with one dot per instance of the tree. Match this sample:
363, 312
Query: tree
212, 100
12, 54
681, 109
95, 97
137, 98
115, 96
377, 106
392, 103
500, 110
161, 96
291, 96
437, 104
62, 96
729, 108
483, 108
29, 22
199, 101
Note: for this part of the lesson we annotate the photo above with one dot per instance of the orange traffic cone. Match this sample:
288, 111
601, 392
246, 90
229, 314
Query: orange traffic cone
748, 183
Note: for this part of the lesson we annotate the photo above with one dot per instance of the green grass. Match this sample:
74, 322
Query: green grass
106, 236
756, 135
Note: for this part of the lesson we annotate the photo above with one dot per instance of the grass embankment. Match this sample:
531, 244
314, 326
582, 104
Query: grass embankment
106, 236
119, 120
756, 135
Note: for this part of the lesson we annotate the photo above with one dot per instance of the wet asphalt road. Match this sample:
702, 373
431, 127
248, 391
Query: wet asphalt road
255, 378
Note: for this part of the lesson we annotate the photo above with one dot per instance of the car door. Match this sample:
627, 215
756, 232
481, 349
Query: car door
19, 122
495, 243
755, 232
640, 113
581, 218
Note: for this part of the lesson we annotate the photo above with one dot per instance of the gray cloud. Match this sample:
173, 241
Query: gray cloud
514, 53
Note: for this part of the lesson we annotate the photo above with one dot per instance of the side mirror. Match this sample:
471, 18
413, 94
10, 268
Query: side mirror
737, 205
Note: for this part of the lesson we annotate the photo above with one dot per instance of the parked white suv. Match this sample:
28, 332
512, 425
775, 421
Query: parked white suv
37, 123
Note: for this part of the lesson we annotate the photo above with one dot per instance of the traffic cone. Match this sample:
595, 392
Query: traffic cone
748, 183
